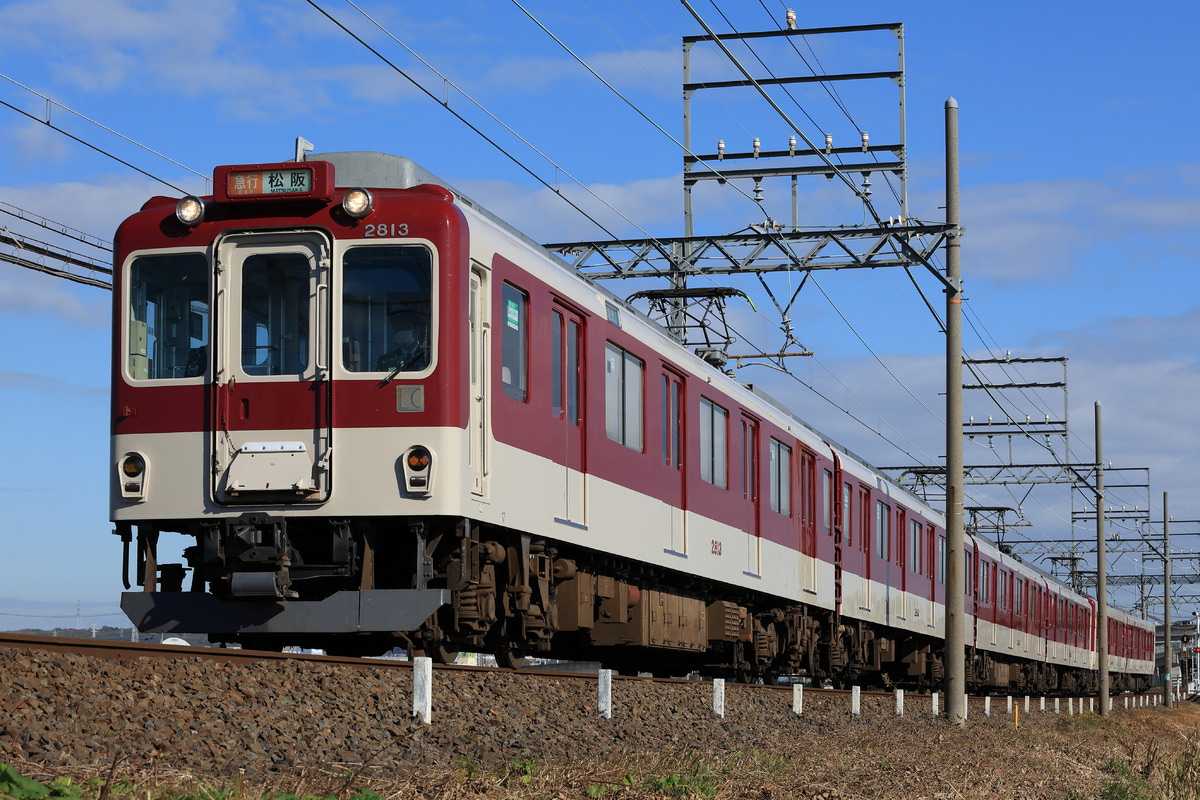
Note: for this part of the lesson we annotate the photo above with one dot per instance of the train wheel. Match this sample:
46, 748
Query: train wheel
443, 652
510, 657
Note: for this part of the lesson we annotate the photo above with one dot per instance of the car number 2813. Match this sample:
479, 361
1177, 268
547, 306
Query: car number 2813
379, 229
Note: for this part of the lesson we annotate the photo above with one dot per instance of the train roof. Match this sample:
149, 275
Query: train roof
385, 171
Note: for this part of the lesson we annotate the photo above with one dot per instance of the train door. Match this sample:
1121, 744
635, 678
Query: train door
838, 501
808, 521
1041, 618
566, 393
1017, 624
865, 530
972, 587
672, 405
933, 564
271, 344
479, 332
900, 556
750, 494
879, 556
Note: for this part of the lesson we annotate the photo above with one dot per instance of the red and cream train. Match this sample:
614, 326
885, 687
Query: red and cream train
383, 417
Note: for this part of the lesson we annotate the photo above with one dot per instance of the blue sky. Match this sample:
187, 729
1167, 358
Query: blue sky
1080, 189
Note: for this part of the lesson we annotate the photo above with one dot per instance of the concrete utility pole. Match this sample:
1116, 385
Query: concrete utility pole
955, 634
1101, 572
1168, 681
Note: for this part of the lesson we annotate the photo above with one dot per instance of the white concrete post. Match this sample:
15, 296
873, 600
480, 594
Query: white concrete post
605, 691
935, 704
423, 688
900, 702
987, 705
798, 698
719, 696
856, 700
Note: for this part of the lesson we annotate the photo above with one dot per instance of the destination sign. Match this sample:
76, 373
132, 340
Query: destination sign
255, 183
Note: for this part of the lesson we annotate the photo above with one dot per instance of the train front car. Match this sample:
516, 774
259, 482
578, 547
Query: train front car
291, 393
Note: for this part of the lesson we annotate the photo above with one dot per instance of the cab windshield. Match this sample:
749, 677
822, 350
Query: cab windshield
387, 308
168, 316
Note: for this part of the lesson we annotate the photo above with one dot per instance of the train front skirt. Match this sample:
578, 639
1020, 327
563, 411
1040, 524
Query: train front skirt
342, 612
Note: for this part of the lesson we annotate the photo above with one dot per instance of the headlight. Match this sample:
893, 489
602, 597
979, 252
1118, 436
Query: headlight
190, 211
131, 477
133, 465
358, 203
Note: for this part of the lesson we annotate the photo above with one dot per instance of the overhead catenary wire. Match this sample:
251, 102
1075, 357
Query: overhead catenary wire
91, 146
834, 168
828, 86
673, 139
525, 168
55, 227
105, 127
787, 91
679, 61
621, 96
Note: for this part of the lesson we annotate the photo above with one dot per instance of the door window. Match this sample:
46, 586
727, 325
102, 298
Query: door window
275, 311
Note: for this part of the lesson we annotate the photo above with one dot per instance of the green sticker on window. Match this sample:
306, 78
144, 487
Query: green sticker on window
513, 312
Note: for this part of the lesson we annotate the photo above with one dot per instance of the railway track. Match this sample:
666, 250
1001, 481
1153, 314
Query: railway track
121, 650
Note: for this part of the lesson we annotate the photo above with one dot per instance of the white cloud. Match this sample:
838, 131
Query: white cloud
16, 380
95, 210
104, 44
1044, 231
36, 143
30, 294
545, 216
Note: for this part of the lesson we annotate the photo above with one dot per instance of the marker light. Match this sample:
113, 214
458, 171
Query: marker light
358, 203
190, 211
419, 459
418, 471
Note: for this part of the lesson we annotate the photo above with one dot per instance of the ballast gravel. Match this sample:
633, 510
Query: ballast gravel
218, 717
271, 719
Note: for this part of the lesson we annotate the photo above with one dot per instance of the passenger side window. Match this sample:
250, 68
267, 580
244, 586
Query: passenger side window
623, 393
514, 342
781, 477
714, 439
